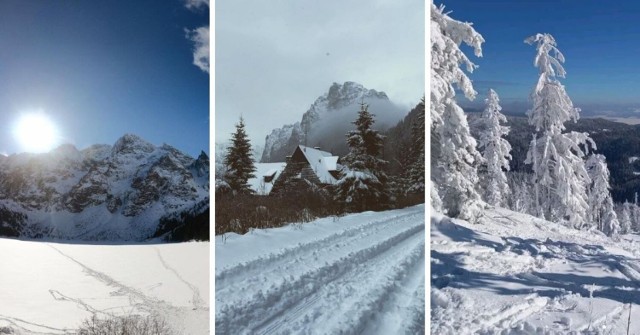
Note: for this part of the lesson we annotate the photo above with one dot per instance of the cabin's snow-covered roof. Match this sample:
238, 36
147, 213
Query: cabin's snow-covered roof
321, 162
257, 183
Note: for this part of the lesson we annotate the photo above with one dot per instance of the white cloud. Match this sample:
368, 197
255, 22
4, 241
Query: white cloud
196, 4
200, 37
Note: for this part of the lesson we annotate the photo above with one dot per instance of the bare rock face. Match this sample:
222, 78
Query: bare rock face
102, 192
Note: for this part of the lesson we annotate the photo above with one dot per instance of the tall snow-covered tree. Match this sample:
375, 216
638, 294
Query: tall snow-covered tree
635, 214
415, 172
601, 212
362, 185
495, 151
560, 176
239, 161
625, 218
521, 197
454, 157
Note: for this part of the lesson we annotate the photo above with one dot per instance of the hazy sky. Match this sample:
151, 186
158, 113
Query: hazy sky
102, 68
598, 40
274, 58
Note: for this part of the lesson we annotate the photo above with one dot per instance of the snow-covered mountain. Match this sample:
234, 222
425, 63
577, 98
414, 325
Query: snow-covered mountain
118, 192
327, 120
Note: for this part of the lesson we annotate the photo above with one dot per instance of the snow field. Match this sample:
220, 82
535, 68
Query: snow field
51, 287
516, 274
359, 273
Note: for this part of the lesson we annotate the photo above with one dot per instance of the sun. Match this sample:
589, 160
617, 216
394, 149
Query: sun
36, 133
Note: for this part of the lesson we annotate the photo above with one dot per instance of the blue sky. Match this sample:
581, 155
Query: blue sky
100, 69
598, 39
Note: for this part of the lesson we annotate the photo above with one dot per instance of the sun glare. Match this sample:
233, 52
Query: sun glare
36, 133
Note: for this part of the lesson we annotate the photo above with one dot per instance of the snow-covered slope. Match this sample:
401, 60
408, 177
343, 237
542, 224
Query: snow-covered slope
516, 274
103, 192
328, 119
50, 288
359, 274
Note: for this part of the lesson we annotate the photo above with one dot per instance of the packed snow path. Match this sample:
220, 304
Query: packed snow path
516, 274
358, 274
50, 288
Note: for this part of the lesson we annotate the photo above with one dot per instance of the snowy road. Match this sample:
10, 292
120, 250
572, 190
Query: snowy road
515, 274
362, 273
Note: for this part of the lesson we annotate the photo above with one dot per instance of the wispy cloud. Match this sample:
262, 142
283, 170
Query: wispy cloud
200, 37
196, 4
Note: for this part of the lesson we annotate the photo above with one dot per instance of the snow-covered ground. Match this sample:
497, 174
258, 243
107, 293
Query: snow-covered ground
358, 274
52, 287
515, 274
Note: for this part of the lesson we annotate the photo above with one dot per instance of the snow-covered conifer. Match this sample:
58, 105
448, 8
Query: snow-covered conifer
520, 199
625, 218
455, 158
601, 212
415, 172
635, 214
495, 151
239, 162
560, 176
362, 185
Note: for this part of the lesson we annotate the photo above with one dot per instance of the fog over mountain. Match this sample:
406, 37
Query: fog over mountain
329, 118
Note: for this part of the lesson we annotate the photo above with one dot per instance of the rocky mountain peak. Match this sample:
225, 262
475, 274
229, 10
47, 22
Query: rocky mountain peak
325, 120
348, 93
130, 143
116, 192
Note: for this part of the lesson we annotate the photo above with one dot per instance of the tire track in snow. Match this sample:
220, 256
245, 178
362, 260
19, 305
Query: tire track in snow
407, 298
196, 300
292, 298
296, 264
349, 234
359, 305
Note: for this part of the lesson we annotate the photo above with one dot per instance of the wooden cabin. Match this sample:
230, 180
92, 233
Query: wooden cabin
307, 165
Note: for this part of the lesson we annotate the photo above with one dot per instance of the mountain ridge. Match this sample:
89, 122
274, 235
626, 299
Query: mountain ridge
103, 192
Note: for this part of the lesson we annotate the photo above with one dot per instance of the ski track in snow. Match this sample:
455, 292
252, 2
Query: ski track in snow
197, 301
515, 274
136, 298
351, 282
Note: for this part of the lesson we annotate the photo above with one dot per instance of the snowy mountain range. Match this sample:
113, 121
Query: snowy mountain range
104, 192
327, 120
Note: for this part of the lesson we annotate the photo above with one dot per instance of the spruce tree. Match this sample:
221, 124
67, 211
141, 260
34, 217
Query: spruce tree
239, 162
560, 177
601, 212
454, 157
415, 171
362, 185
495, 151
625, 218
